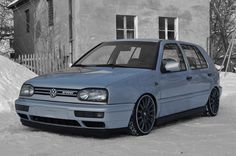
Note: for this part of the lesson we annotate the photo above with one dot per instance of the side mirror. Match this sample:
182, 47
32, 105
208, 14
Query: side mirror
70, 64
172, 66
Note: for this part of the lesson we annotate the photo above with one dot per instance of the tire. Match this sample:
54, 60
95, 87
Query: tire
212, 106
143, 116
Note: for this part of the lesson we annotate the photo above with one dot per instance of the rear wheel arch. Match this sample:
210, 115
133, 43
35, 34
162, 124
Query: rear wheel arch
213, 101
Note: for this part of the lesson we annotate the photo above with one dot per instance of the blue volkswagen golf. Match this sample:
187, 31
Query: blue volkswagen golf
124, 84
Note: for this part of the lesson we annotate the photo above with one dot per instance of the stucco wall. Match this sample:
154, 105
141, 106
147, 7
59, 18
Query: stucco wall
23, 41
55, 38
95, 21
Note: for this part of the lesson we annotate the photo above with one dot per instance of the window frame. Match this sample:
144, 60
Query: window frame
125, 29
197, 52
166, 30
183, 57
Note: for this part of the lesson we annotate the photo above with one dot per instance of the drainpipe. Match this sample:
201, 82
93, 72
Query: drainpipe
71, 38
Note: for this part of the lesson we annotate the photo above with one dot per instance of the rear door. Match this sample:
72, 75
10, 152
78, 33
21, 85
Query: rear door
174, 86
201, 77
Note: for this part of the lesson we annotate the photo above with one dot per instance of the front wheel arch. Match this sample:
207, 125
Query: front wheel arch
144, 105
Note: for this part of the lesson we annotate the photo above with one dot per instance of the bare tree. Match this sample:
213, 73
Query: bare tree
222, 26
6, 22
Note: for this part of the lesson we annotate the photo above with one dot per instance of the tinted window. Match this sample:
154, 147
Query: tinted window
194, 56
172, 52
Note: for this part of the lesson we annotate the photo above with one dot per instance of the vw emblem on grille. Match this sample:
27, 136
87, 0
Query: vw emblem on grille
53, 93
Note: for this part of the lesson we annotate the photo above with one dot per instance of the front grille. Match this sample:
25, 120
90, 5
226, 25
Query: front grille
59, 91
55, 121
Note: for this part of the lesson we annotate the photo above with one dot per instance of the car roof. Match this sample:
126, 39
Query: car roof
152, 40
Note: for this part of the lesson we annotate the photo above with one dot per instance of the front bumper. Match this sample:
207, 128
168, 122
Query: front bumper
63, 114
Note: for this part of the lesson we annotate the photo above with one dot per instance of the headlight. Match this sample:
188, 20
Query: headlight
93, 95
27, 90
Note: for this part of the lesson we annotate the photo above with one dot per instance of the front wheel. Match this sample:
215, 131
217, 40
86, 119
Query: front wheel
143, 116
213, 103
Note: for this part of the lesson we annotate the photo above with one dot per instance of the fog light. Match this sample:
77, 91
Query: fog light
85, 114
99, 114
22, 108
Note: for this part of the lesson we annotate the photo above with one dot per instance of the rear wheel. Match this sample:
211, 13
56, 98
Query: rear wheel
213, 103
143, 116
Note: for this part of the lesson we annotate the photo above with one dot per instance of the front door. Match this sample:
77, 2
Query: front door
174, 85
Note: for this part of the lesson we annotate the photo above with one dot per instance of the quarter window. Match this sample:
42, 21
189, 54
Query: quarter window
172, 53
201, 58
194, 56
125, 27
168, 28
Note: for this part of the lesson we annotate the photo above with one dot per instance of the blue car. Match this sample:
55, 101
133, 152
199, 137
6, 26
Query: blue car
124, 84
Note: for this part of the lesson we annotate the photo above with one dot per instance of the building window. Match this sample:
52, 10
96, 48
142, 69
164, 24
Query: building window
27, 20
126, 27
50, 13
168, 28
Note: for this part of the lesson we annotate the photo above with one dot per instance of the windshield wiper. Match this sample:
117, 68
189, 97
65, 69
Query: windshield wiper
111, 65
100, 65
83, 65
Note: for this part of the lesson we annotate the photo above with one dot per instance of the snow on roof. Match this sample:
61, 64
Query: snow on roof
13, 3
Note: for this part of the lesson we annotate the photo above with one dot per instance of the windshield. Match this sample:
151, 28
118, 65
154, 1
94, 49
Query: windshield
128, 54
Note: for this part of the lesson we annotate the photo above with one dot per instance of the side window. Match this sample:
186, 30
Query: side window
201, 58
172, 54
195, 58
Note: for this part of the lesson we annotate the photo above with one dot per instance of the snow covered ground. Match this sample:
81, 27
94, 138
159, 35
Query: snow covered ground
201, 136
12, 76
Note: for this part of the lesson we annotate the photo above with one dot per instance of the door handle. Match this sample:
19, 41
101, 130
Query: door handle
209, 74
189, 78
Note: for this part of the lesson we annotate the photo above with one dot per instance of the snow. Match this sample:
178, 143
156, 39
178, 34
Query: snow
13, 3
218, 67
195, 136
12, 76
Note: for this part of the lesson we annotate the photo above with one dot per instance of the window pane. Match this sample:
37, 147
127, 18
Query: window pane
172, 53
171, 23
192, 57
129, 22
161, 23
27, 19
50, 13
120, 34
161, 34
119, 22
171, 35
130, 34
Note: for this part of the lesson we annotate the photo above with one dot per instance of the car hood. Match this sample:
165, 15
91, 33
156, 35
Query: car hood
77, 77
